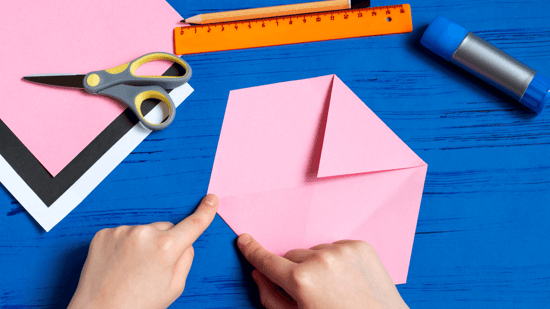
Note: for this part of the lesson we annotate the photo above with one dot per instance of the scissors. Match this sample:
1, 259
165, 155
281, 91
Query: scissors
122, 84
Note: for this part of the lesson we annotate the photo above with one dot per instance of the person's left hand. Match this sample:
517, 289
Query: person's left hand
142, 266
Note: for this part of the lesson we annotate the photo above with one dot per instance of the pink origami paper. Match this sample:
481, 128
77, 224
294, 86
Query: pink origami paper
306, 162
58, 36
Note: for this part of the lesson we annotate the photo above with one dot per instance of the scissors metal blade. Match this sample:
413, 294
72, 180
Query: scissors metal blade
62, 80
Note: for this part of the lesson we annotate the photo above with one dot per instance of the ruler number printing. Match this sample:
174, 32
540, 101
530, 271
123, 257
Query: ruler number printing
293, 29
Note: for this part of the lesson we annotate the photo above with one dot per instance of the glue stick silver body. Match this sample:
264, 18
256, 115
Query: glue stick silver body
483, 59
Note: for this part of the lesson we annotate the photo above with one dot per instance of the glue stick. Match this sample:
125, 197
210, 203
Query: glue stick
481, 58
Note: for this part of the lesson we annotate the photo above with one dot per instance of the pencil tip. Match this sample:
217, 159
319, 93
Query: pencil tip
182, 21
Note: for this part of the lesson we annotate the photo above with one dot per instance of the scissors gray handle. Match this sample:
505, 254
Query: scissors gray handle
133, 97
123, 84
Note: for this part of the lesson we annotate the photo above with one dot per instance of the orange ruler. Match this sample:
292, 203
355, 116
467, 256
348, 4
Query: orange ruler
293, 29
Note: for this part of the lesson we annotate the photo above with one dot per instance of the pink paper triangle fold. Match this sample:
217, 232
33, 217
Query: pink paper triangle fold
353, 136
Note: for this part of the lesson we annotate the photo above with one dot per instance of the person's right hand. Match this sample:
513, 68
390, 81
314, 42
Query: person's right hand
345, 274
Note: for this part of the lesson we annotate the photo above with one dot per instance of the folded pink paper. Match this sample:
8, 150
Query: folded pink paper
59, 36
306, 162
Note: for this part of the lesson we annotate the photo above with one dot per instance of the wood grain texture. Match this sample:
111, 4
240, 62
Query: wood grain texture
482, 235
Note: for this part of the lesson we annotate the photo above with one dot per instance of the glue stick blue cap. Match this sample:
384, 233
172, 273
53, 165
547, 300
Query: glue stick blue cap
443, 37
537, 94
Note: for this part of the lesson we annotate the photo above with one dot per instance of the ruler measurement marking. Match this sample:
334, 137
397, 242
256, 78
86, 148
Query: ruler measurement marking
382, 8
297, 17
310, 27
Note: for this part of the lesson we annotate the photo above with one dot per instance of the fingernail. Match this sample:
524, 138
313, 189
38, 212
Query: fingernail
210, 199
244, 240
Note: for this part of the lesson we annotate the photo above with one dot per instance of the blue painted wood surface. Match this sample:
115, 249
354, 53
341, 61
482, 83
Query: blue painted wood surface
482, 234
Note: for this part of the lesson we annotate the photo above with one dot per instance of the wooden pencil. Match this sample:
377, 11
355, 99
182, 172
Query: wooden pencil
274, 11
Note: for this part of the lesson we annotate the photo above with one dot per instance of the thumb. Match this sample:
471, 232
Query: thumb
275, 268
271, 296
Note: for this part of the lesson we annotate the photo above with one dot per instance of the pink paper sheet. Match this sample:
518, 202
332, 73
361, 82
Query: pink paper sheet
307, 162
58, 36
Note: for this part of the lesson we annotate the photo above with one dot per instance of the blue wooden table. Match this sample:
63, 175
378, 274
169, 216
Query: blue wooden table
483, 229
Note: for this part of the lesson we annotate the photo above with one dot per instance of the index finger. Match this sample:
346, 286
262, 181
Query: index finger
189, 229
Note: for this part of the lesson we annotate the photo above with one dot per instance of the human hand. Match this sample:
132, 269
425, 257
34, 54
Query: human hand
345, 274
142, 266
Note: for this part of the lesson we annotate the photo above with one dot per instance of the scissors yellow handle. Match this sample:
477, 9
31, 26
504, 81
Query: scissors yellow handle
123, 84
